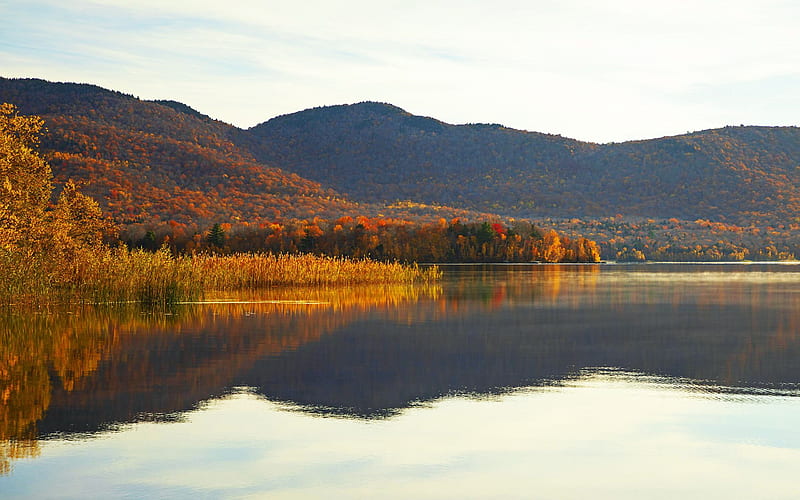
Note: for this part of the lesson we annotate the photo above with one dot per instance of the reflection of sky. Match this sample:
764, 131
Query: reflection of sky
601, 435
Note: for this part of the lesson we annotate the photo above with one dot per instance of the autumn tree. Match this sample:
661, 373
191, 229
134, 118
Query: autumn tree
77, 220
26, 218
25, 179
550, 248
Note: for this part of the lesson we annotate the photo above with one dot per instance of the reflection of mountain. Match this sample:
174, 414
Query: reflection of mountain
504, 328
380, 351
371, 367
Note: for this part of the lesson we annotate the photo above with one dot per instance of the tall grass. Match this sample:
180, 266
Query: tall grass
120, 275
254, 271
21, 274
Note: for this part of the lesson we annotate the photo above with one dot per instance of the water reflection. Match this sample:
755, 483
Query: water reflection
600, 435
82, 369
375, 351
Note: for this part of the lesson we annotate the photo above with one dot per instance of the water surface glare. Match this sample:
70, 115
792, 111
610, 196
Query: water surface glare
538, 381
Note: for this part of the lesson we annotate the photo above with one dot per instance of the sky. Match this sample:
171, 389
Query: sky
600, 71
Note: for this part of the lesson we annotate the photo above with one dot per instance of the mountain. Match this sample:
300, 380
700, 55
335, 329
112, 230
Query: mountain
733, 191
165, 160
150, 161
378, 153
742, 175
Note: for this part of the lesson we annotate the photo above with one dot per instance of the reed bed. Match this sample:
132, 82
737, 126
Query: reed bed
21, 274
108, 275
256, 271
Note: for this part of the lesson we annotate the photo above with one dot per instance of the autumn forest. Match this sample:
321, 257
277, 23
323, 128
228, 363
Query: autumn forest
372, 181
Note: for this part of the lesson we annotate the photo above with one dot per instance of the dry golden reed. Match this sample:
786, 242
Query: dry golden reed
105, 275
261, 270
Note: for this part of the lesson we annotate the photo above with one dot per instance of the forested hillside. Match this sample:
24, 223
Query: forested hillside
378, 152
165, 168
741, 175
160, 161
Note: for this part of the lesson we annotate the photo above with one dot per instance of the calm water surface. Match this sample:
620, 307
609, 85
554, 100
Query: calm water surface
528, 381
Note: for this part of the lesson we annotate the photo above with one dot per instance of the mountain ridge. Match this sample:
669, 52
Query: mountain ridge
145, 161
151, 162
163, 161
356, 151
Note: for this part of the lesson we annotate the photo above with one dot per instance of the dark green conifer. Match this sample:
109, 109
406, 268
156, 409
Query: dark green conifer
216, 236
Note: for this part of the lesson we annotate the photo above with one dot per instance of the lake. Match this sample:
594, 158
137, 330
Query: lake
507, 381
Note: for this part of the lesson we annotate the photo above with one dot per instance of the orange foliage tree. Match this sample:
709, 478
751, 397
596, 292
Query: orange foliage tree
28, 222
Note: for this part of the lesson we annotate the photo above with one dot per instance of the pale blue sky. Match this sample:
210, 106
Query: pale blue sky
589, 69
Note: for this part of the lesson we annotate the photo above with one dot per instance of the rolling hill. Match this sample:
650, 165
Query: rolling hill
378, 152
162, 162
150, 162
147, 161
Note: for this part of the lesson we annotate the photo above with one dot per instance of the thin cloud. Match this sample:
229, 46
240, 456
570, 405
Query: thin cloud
592, 70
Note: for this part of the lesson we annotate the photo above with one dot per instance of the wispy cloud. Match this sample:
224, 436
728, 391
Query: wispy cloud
593, 70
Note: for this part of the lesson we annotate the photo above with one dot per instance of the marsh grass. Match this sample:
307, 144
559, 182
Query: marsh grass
256, 271
108, 275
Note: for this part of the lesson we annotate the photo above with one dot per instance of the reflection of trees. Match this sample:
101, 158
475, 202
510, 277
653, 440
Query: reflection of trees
24, 399
111, 360
374, 350
492, 287
41, 349
496, 329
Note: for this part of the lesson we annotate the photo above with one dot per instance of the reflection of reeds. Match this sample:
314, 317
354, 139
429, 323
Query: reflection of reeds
58, 347
121, 275
362, 296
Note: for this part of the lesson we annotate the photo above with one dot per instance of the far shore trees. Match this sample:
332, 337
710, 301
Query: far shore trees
376, 238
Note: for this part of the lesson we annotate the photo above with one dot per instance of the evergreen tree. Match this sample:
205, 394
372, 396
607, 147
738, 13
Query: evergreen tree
216, 236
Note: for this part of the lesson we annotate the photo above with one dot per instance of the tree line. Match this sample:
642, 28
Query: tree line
376, 238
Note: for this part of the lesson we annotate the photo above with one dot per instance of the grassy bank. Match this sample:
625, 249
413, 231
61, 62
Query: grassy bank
121, 275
